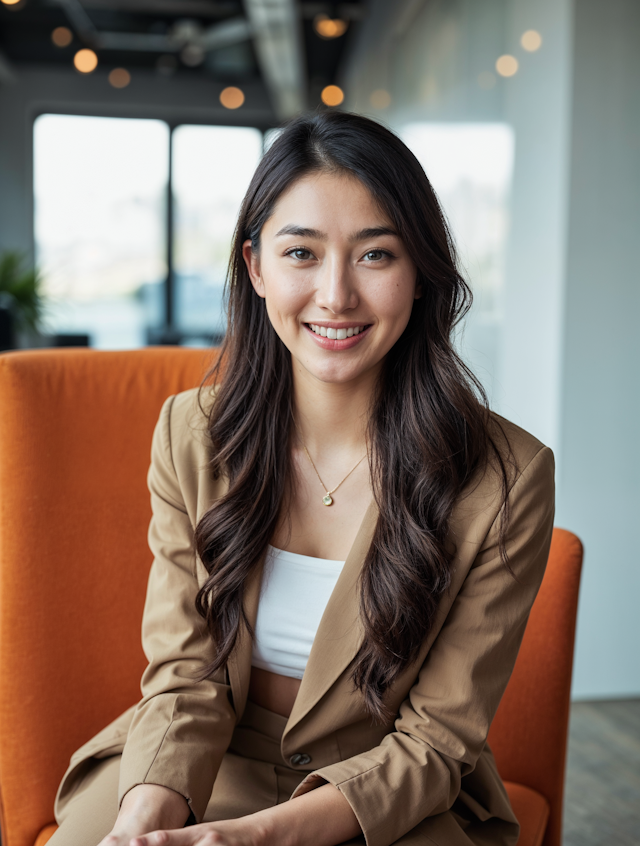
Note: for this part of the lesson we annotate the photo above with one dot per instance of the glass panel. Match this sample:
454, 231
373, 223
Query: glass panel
100, 206
470, 167
212, 167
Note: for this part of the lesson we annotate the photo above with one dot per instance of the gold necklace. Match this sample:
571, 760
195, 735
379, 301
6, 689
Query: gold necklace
327, 498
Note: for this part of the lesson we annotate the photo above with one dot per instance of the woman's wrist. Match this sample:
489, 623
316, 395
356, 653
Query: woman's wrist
155, 806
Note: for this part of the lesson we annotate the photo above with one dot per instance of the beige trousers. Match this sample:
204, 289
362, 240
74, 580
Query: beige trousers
252, 776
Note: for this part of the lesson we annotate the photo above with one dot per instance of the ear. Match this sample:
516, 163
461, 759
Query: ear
252, 261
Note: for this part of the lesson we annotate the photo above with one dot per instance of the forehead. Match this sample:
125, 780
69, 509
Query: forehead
330, 198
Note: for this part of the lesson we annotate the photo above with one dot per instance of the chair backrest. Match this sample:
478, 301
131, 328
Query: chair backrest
529, 733
75, 436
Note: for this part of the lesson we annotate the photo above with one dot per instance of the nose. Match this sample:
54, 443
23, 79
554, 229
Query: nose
335, 290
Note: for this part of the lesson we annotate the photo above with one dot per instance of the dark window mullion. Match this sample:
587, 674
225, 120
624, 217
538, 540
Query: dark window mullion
170, 292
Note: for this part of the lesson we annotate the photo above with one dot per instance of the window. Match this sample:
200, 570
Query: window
100, 188
212, 168
102, 232
470, 167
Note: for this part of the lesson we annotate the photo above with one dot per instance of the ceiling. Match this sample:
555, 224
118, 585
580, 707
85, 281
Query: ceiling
229, 41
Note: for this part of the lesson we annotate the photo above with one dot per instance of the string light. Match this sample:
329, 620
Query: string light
61, 36
328, 28
332, 95
507, 65
380, 98
119, 77
232, 97
531, 40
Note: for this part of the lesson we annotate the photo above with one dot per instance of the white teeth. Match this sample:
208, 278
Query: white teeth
335, 334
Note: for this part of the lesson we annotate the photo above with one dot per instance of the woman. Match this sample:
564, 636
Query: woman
347, 543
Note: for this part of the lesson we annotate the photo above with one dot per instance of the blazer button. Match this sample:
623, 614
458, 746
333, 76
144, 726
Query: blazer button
300, 759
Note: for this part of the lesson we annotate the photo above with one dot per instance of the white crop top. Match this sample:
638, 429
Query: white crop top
295, 591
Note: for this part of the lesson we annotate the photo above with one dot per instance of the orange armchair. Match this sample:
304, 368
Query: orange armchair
75, 435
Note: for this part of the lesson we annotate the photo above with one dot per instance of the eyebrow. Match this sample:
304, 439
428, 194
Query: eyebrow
362, 235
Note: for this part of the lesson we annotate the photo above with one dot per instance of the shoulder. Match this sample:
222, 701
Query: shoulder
183, 445
518, 464
519, 451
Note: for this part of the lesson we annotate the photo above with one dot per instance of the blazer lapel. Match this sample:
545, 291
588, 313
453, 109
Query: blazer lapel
340, 631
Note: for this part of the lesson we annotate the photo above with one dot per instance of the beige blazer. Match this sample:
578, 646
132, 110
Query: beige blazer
434, 756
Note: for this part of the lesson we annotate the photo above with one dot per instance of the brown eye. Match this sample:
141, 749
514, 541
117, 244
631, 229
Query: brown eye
374, 255
299, 253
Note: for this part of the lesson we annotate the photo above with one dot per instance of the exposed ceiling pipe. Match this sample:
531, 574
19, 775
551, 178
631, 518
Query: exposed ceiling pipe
278, 42
190, 8
218, 35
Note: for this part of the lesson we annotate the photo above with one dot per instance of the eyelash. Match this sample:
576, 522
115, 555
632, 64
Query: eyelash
290, 252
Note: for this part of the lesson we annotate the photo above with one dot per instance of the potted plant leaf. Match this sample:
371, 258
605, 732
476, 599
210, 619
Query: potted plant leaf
20, 296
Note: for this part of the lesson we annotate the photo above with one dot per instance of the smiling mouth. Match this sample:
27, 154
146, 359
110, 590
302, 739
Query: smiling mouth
337, 334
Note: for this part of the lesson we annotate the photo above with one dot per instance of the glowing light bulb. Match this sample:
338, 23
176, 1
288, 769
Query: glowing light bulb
62, 36
119, 77
507, 65
380, 98
531, 40
85, 61
232, 97
327, 27
10, 2
332, 95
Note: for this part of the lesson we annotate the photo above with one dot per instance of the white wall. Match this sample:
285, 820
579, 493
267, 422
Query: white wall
563, 358
600, 446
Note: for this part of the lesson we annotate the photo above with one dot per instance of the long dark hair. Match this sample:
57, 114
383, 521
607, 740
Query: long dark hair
429, 426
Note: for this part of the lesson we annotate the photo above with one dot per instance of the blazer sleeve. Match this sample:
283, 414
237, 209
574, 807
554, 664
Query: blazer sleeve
181, 728
443, 724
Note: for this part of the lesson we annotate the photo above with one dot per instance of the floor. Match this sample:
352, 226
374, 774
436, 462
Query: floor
602, 794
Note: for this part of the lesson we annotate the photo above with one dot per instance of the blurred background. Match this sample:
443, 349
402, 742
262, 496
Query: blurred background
129, 130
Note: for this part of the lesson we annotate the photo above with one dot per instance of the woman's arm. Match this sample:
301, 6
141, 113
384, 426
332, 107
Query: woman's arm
147, 807
181, 728
322, 817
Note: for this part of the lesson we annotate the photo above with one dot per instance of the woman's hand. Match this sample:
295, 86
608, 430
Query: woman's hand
321, 817
246, 831
145, 808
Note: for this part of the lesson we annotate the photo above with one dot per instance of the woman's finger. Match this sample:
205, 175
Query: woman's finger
170, 837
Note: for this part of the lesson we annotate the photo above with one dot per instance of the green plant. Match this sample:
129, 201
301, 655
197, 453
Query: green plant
23, 285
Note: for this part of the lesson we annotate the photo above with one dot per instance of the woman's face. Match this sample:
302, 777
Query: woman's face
338, 282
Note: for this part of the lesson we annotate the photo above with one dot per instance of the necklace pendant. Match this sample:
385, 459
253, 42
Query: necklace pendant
327, 500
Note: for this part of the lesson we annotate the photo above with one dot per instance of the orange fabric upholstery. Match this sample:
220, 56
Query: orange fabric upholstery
45, 834
529, 733
75, 434
532, 811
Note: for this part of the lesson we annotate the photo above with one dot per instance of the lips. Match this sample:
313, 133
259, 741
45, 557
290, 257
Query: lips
341, 339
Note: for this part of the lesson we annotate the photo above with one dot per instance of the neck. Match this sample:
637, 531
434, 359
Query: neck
332, 417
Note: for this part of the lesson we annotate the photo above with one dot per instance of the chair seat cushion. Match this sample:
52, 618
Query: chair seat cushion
532, 811
45, 834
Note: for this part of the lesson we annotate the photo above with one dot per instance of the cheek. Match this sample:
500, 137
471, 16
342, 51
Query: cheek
394, 299
285, 296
